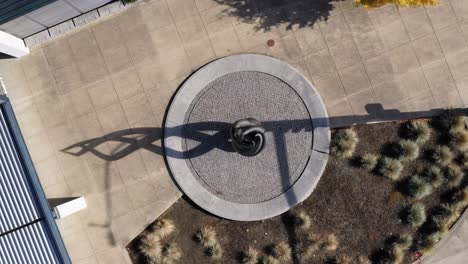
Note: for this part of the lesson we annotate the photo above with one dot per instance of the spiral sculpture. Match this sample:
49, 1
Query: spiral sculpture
247, 137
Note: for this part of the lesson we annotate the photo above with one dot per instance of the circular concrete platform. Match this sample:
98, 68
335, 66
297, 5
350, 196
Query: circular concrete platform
197, 142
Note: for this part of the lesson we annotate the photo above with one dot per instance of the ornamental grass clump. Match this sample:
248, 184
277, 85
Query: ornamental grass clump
330, 243
207, 237
462, 159
268, 260
368, 161
458, 139
449, 121
344, 143
453, 175
390, 168
417, 131
417, 187
442, 217
363, 260
344, 259
170, 253
414, 214
214, 251
250, 256
425, 243
401, 3
163, 227
150, 247
306, 247
409, 150
460, 199
282, 252
301, 220
442, 155
433, 175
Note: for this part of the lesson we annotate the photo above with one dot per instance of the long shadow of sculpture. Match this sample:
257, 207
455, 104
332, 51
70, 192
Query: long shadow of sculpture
267, 14
211, 135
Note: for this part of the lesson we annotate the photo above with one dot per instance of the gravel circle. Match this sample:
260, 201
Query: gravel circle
288, 139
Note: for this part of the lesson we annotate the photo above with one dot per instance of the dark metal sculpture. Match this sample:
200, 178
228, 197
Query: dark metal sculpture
247, 137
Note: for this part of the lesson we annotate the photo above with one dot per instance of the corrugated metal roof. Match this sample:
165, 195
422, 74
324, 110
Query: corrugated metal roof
17, 206
28, 233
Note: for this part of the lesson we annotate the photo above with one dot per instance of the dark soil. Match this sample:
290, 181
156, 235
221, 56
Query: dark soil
360, 208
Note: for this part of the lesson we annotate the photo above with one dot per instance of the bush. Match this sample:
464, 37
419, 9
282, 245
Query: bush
250, 257
344, 143
414, 214
402, 3
150, 247
433, 175
368, 161
170, 253
301, 220
330, 243
410, 150
453, 175
442, 155
206, 236
163, 228
390, 168
458, 139
282, 252
450, 121
417, 187
417, 131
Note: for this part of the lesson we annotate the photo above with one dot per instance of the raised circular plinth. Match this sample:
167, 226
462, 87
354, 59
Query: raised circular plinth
197, 142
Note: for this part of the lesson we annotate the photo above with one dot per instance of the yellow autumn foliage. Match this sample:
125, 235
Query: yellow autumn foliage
403, 3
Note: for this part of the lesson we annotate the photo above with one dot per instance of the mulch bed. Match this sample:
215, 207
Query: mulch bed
359, 207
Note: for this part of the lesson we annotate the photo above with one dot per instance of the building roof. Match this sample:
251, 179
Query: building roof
28, 232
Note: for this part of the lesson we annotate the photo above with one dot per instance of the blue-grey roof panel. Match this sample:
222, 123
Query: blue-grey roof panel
17, 205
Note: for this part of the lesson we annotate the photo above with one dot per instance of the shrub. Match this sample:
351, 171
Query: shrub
250, 257
150, 247
449, 121
344, 143
417, 187
442, 155
206, 236
171, 253
268, 260
282, 252
214, 251
390, 168
402, 3
414, 214
330, 243
368, 161
363, 260
417, 131
163, 228
410, 150
453, 175
458, 139
433, 175
302, 220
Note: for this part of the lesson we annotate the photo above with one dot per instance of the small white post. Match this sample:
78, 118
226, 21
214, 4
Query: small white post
12, 45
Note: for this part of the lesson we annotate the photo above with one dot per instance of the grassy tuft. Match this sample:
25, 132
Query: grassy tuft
410, 150
462, 159
442, 155
414, 214
442, 217
250, 256
344, 143
433, 175
206, 236
425, 243
368, 161
171, 253
453, 175
460, 199
150, 247
458, 139
163, 228
301, 220
404, 241
417, 131
417, 187
268, 260
450, 121
304, 249
390, 168
214, 251
363, 260
330, 243
282, 252
344, 259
